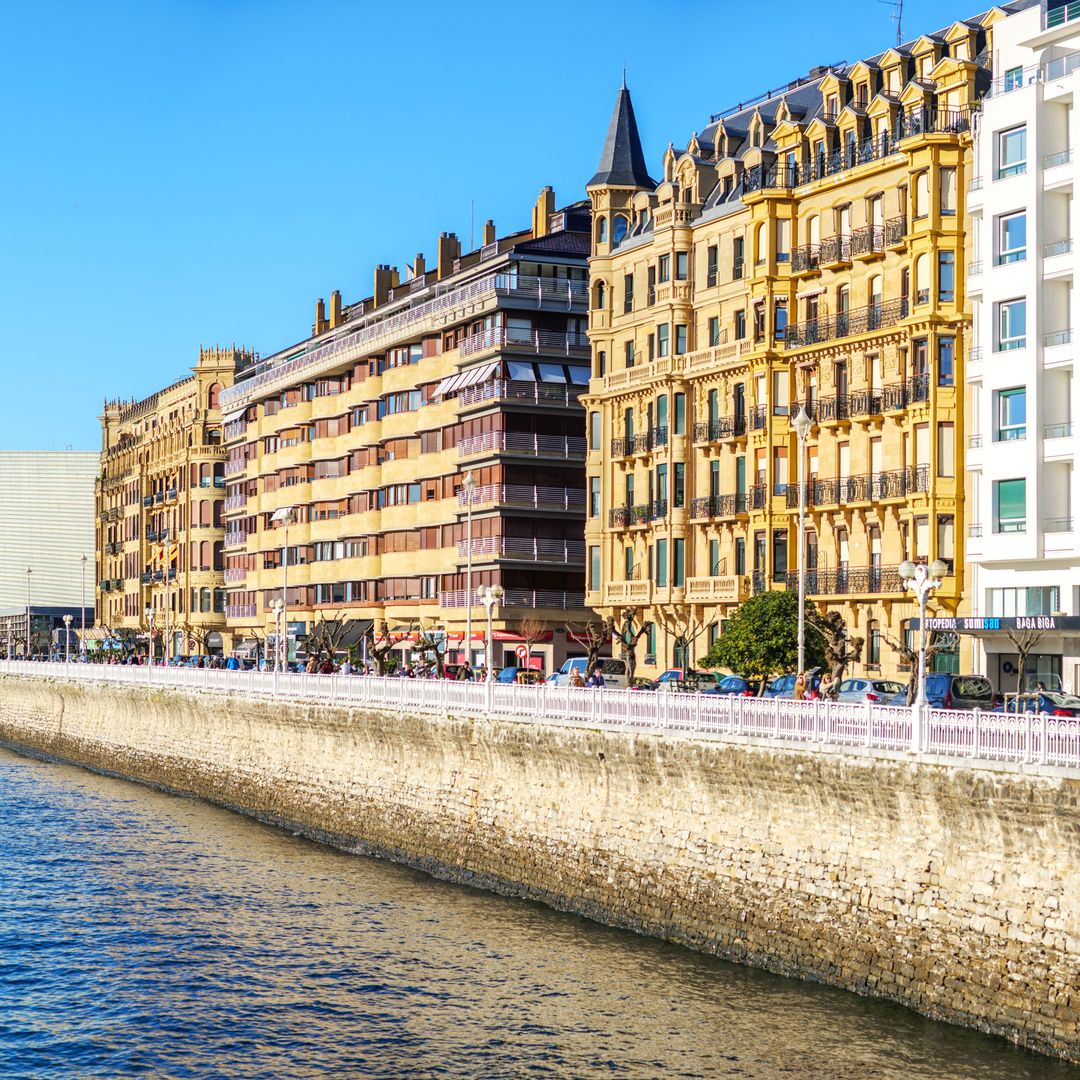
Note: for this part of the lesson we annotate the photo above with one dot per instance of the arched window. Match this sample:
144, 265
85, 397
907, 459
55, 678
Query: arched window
212, 396
922, 279
760, 242
205, 555
601, 230
873, 644
813, 229
600, 296
619, 228
922, 194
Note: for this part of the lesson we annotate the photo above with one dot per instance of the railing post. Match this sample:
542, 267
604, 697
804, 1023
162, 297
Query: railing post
869, 724
975, 733
1043, 728
916, 728
1027, 739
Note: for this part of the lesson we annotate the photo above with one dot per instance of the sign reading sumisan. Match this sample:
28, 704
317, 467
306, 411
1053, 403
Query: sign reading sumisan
981, 624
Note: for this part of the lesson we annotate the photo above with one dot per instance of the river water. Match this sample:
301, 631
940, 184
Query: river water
142, 934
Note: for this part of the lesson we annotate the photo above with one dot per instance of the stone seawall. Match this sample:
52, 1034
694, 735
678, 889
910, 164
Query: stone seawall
952, 891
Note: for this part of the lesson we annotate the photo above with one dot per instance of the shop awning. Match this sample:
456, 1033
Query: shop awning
467, 378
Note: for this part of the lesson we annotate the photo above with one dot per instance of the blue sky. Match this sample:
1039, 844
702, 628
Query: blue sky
197, 172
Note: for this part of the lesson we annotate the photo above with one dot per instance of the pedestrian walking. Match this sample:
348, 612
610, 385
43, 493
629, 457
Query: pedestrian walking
800, 686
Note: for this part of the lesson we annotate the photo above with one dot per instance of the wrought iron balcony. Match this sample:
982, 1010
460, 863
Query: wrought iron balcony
659, 508
757, 418
866, 487
846, 324
835, 250
719, 506
650, 440
848, 580
868, 240
724, 427
622, 446
806, 259
895, 230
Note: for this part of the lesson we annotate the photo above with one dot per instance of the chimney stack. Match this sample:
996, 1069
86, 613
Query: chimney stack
542, 211
449, 250
335, 308
419, 268
386, 278
320, 317
489, 232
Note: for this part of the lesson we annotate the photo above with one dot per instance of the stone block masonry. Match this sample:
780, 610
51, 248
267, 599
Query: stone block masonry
953, 891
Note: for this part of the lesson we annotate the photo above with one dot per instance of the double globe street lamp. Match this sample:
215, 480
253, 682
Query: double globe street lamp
922, 580
490, 595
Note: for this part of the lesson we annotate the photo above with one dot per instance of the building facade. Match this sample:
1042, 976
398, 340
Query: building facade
159, 506
46, 544
433, 424
802, 251
1022, 548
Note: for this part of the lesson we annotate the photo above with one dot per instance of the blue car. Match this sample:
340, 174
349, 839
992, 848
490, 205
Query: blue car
735, 684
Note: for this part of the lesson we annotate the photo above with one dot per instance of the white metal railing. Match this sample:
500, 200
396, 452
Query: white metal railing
547, 498
525, 547
523, 442
352, 343
1035, 740
549, 342
521, 390
558, 599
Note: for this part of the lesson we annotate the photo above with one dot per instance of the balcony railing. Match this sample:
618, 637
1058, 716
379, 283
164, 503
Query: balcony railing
805, 258
868, 240
1057, 337
521, 390
519, 598
1058, 525
834, 250
1057, 247
895, 230
869, 402
622, 446
235, 537
235, 502
720, 506
523, 442
524, 549
757, 418
525, 496
1058, 431
1062, 157
847, 324
845, 581
650, 440
240, 611
234, 574
866, 487
545, 342
724, 427
1063, 14
916, 121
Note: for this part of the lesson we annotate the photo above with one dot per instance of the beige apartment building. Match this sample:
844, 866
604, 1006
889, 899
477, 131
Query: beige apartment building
804, 249
159, 499
434, 424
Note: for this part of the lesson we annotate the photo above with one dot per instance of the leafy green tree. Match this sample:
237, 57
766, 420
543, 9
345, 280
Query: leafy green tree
762, 637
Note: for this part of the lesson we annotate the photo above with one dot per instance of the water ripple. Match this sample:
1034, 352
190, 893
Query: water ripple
142, 934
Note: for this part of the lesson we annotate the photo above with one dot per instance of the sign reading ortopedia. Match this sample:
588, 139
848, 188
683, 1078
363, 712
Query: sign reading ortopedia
976, 624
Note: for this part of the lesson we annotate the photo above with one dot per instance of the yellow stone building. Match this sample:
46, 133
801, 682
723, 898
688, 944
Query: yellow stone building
436, 418
159, 499
805, 248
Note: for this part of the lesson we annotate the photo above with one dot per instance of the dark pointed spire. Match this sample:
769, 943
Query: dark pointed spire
622, 163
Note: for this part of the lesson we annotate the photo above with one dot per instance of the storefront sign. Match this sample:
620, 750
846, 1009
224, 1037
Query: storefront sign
983, 624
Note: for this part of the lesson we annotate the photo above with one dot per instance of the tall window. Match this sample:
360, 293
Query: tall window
680, 414
714, 557
618, 229
1013, 79
946, 277
594, 430
663, 339
1012, 238
681, 268
740, 324
594, 568
873, 645
1011, 152
661, 563
714, 331
664, 269
711, 265
628, 293
740, 555
946, 350
594, 496
678, 486
737, 249
1010, 502
948, 191
946, 449
1011, 414
680, 338
1011, 325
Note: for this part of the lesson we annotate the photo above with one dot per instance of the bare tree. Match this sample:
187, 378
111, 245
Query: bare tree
1024, 642
629, 638
531, 630
326, 636
379, 646
910, 657
592, 636
841, 648
679, 621
427, 642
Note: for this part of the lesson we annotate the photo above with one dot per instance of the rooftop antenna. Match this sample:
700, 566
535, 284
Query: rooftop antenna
472, 224
897, 17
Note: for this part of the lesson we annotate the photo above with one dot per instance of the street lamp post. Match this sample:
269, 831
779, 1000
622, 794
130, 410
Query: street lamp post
490, 595
82, 616
922, 581
165, 581
802, 425
28, 573
275, 607
67, 638
469, 483
284, 516
149, 642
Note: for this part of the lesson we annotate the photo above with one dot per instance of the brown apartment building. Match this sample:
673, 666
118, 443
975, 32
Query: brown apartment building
436, 417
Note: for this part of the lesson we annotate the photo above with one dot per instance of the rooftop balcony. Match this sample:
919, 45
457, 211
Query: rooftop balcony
540, 342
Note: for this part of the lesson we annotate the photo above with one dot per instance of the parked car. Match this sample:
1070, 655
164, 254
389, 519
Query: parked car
878, 691
614, 671
735, 684
784, 686
1050, 702
677, 675
946, 691
639, 683
508, 674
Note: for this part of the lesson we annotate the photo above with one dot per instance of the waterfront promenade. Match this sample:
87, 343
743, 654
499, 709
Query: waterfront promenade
1037, 742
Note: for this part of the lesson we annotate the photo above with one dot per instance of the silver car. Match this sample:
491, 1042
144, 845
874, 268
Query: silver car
877, 691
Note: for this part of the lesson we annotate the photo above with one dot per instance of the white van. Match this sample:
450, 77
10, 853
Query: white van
614, 671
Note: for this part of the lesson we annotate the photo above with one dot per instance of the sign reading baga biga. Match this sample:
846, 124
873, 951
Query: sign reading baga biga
981, 624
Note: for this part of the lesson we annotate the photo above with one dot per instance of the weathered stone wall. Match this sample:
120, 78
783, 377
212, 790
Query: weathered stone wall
952, 891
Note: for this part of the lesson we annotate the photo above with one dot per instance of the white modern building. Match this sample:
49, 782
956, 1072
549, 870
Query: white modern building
46, 527
1023, 547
